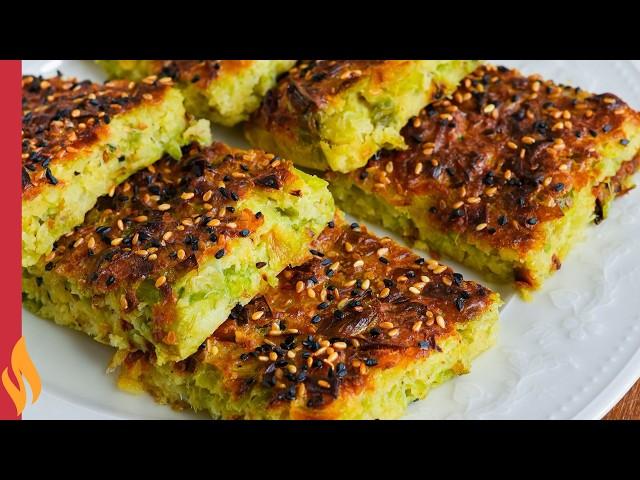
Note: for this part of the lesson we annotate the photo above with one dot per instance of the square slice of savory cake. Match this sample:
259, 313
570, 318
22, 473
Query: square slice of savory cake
159, 264
359, 331
336, 114
505, 176
80, 139
224, 91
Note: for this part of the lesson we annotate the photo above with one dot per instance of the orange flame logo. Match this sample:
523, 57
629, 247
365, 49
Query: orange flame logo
21, 364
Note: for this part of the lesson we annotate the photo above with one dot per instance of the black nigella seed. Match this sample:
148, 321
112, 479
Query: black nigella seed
593, 133
323, 305
244, 232
234, 196
270, 181
244, 357
107, 119
195, 78
338, 314
459, 302
558, 187
316, 253
111, 280
388, 282
325, 262
384, 260
457, 213
532, 221
52, 180
49, 266
331, 224
370, 362
607, 128
220, 253
258, 215
213, 237
624, 142
363, 175
374, 332
457, 279
424, 344
502, 220
420, 261
261, 264
341, 370
354, 225
315, 319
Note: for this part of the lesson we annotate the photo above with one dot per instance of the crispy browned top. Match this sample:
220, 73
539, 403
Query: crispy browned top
502, 156
311, 85
198, 72
164, 220
361, 303
60, 116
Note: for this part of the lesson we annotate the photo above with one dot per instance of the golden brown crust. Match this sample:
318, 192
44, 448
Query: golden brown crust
198, 72
61, 116
163, 221
361, 303
500, 158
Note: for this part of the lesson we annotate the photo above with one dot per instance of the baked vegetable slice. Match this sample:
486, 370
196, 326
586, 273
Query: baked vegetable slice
224, 91
336, 114
505, 176
359, 331
80, 139
158, 265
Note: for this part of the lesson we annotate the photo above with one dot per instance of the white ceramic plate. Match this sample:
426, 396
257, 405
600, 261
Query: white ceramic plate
570, 353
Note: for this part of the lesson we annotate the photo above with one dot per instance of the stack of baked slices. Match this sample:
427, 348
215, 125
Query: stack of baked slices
227, 280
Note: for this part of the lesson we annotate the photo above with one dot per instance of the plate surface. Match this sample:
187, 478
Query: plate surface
570, 353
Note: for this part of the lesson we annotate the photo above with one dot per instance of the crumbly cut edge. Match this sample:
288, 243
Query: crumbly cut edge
371, 126
387, 394
59, 208
501, 265
283, 240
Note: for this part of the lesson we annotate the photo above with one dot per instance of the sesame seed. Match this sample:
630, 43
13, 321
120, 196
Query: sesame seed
481, 226
440, 321
116, 241
440, 269
273, 356
414, 290
473, 200
358, 263
207, 195
340, 345
299, 286
257, 315
78, 242
528, 140
153, 257
512, 145
384, 293
386, 325
163, 207
365, 284
187, 195
311, 292
394, 332
324, 384
458, 204
418, 168
425, 279
161, 281
417, 326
